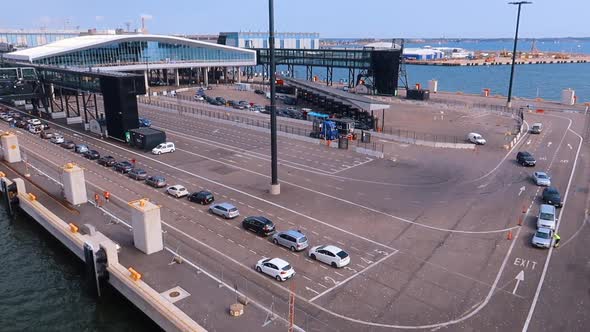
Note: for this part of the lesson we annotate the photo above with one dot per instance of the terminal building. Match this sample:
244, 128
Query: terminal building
287, 40
19, 39
161, 59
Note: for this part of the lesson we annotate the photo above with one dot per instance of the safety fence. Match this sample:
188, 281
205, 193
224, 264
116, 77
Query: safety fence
410, 135
227, 115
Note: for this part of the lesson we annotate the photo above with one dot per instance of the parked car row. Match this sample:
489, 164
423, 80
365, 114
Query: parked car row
293, 240
551, 199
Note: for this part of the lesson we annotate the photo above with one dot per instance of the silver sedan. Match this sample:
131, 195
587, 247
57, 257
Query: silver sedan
542, 179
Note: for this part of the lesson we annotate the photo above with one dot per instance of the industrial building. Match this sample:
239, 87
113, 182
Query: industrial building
159, 58
289, 40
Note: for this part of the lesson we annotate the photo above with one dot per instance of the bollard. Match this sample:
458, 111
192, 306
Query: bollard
73, 228
136, 276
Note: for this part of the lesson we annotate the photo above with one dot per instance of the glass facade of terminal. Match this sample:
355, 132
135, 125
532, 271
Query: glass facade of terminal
23, 39
141, 52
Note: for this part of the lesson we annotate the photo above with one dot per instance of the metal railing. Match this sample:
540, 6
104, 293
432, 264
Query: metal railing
411, 135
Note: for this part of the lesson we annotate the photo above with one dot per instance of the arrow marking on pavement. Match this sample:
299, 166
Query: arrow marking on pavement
549, 144
521, 190
528, 142
519, 277
569, 146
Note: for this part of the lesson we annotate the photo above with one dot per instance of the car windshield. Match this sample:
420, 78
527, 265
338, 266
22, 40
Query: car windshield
542, 176
286, 267
542, 235
546, 216
302, 239
342, 254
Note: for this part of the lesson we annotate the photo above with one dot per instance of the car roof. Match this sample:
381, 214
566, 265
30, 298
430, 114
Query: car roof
157, 177
541, 173
204, 192
178, 186
551, 190
293, 233
546, 208
226, 205
280, 263
331, 248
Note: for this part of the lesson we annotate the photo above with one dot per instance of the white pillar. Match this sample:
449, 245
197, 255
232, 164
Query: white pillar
74, 185
239, 74
52, 91
176, 77
10, 148
206, 76
147, 226
147, 85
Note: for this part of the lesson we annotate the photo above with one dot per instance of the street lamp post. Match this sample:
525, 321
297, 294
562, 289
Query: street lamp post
147, 83
519, 3
275, 187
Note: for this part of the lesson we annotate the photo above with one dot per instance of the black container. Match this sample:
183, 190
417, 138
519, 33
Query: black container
415, 94
146, 138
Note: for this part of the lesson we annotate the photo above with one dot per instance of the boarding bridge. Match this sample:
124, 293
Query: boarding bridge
72, 94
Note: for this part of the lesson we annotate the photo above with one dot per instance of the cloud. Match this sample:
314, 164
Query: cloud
147, 16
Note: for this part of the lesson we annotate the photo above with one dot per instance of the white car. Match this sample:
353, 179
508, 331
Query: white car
547, 217
476, 138
34, 122
165, 147
199, 98
276, 268
177, 191
330, 255
542, 238
542, 179
57, 139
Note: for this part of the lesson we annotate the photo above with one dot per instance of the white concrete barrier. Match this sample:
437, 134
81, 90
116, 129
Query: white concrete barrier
154, 305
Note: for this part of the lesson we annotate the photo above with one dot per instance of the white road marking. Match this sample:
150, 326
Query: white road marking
339, 284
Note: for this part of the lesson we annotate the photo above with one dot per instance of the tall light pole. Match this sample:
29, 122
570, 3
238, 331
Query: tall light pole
275, 187
519, 3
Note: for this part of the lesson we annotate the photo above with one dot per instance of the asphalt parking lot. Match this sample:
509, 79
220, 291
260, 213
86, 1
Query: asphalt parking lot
426, 229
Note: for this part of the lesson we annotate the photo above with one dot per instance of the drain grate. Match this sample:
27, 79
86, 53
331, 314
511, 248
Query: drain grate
175, 294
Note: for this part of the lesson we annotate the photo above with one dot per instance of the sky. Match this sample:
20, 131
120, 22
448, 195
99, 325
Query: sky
331, 18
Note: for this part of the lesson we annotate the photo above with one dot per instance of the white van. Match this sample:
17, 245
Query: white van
547, 217
476, 138
536, 128
165, 147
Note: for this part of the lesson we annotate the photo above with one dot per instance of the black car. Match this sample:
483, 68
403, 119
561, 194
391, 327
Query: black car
91, 154
220, 99
137, 174
107, 161
552, 196
259, 92
21, 123
525, 158
201, 197
68, 145
156, 181
123, 166
259, 225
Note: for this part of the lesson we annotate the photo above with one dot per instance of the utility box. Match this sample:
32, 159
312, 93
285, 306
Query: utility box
433, 85
365, 137
10, 147
147, 226
145, 138
74, 185
568, 97
343, 142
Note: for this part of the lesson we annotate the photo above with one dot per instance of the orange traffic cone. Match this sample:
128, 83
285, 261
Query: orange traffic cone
520, 221
524, 209
509, 237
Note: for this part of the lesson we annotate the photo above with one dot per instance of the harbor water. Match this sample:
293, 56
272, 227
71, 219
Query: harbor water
43, 287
